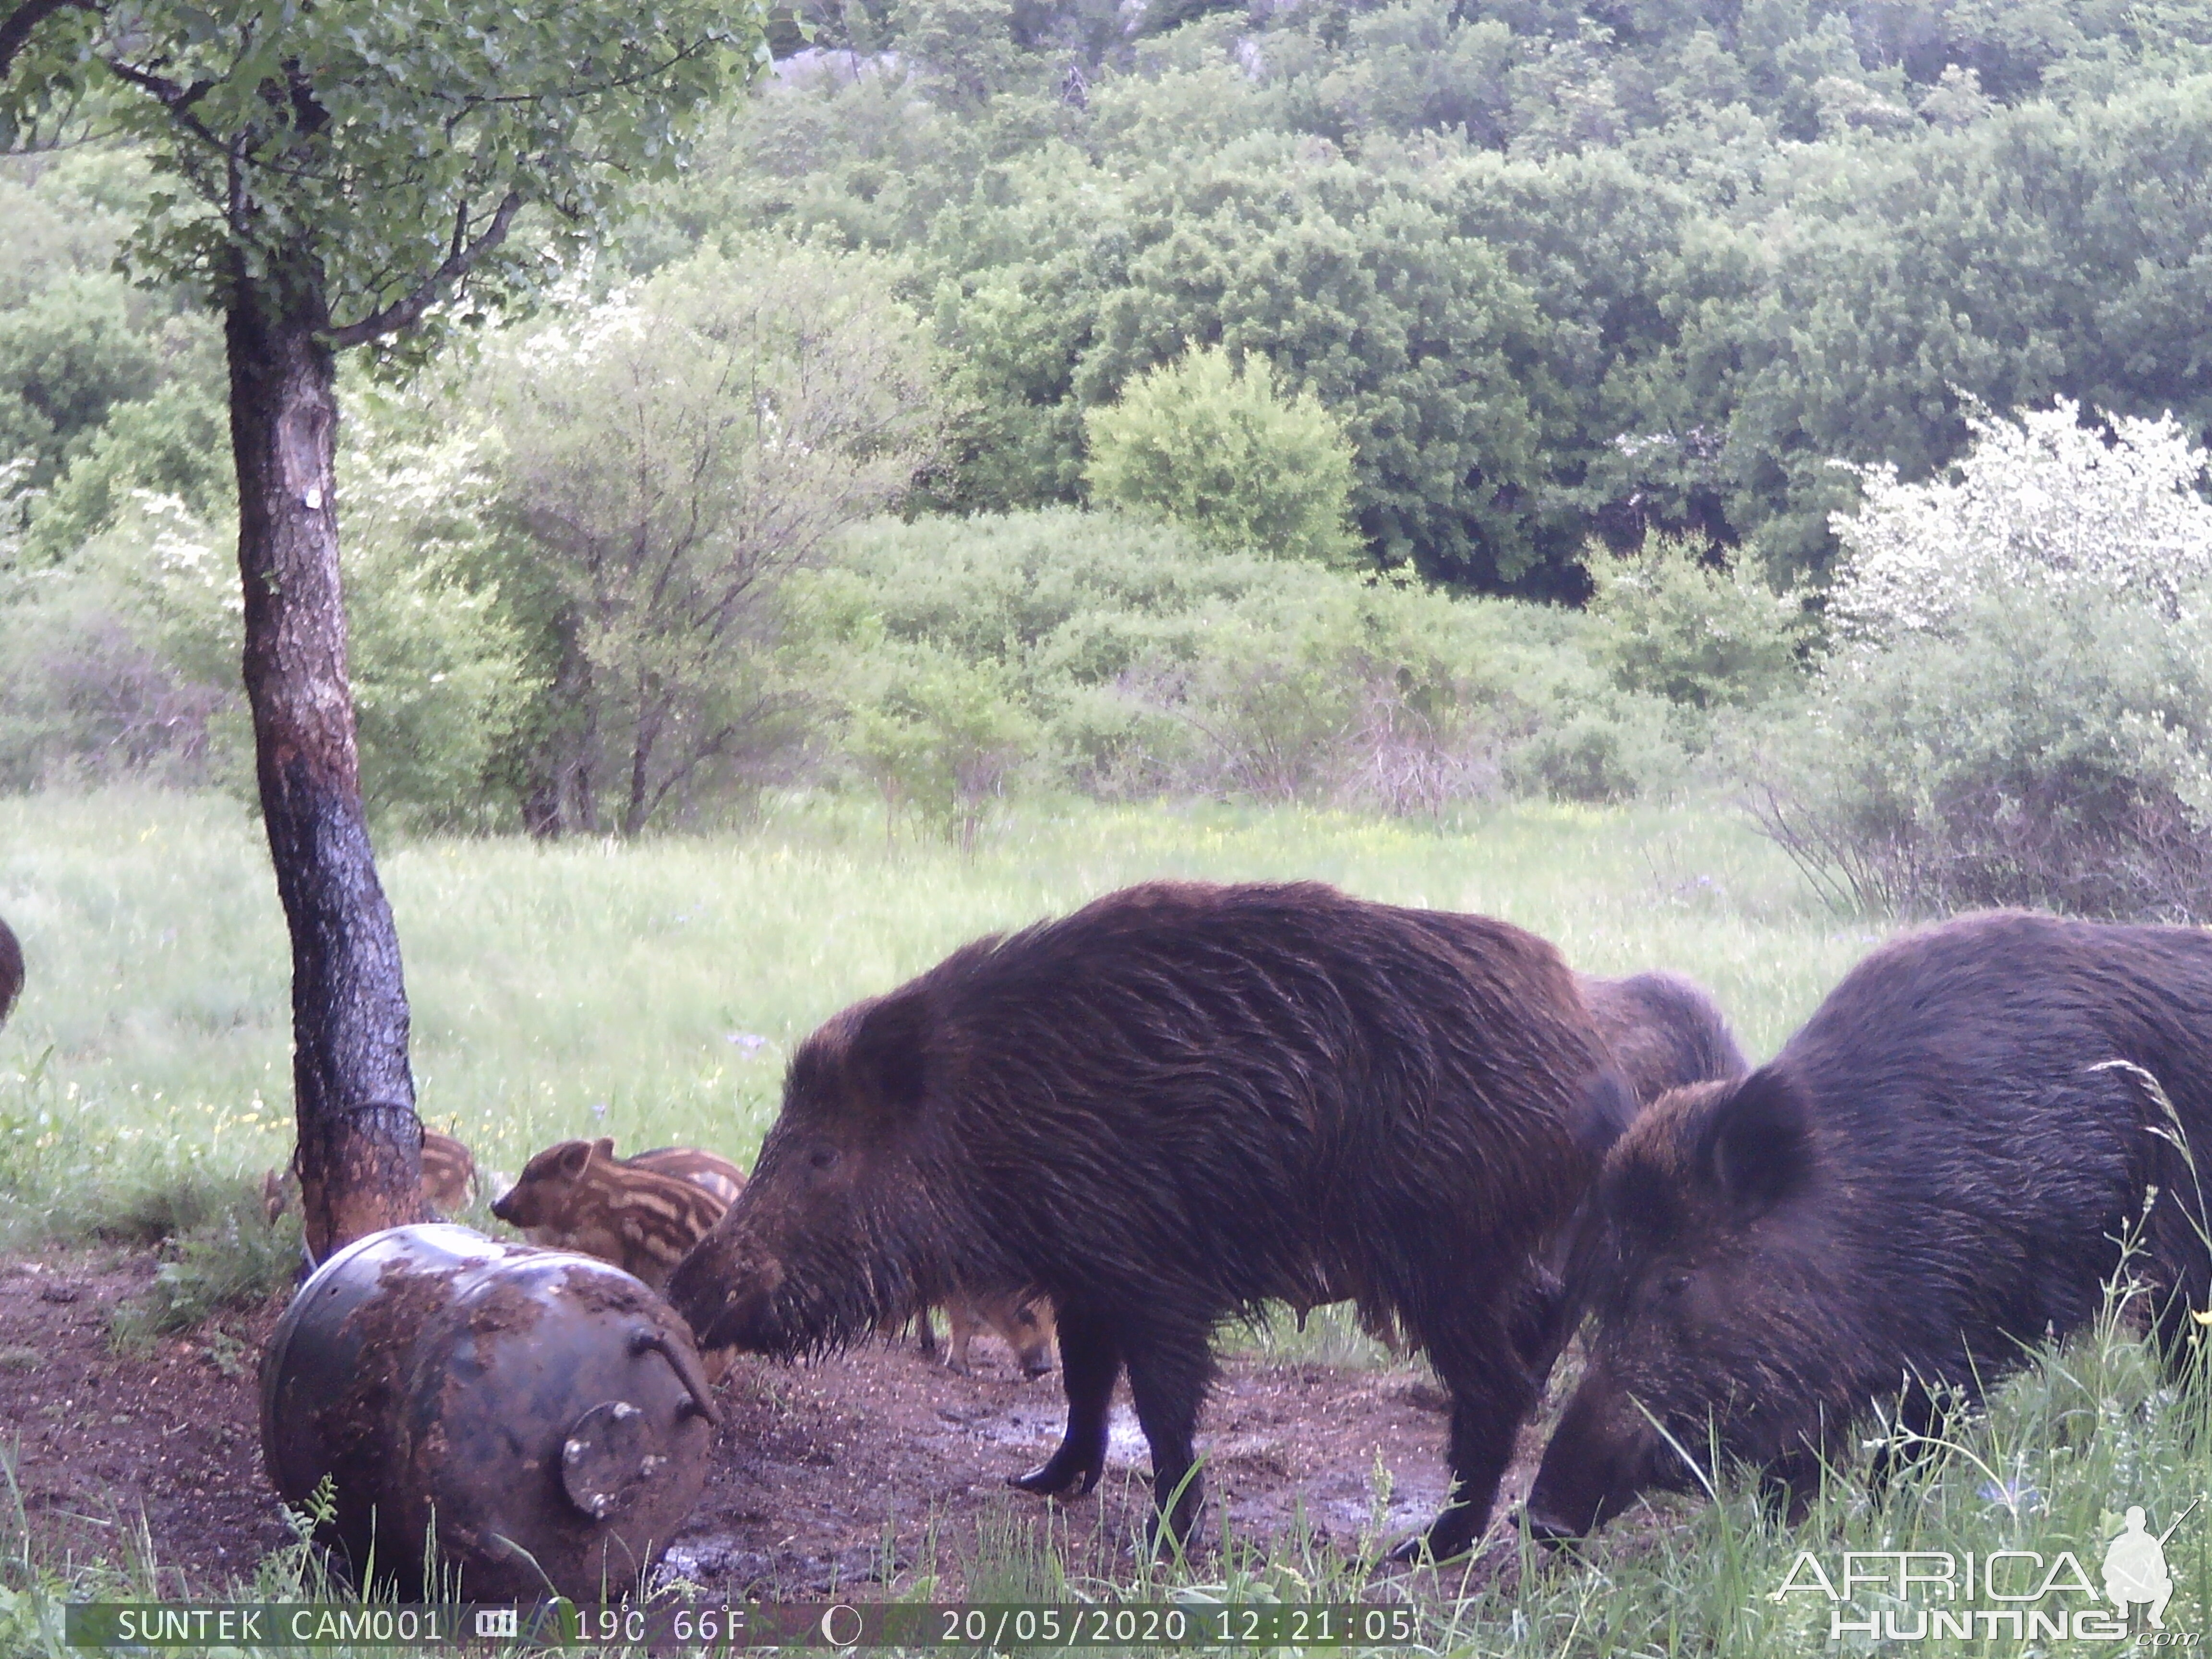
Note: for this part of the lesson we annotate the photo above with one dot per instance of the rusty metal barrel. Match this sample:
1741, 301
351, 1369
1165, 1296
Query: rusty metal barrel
498, 1422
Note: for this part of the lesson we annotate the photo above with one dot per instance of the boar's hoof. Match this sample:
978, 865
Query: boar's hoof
1053, 1479
1436, 1547
1552, 1534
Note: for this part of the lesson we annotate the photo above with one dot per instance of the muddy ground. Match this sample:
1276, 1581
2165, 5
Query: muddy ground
825, 1475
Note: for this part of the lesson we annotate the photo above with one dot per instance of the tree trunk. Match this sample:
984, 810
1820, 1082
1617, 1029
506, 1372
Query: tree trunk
559, 798
354, 1095
652, 712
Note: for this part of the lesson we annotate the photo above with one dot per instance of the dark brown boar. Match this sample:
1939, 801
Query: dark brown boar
1929, 1176
11, 972
1665, 1032
1175, 1105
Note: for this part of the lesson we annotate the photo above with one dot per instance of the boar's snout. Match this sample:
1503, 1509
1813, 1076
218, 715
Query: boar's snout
1032, 1334
1599, 1460
728, 1301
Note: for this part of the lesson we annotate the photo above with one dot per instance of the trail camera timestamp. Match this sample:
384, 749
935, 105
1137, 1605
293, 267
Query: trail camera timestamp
713, 1628
998, 1626
1320, 1625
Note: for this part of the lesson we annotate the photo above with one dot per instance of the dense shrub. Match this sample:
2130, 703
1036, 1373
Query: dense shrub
175, 443
2040, 751
1141, 663
939, 734
1679, 621
1211, 446
121, 659
441, 671
2018, 708
673, 453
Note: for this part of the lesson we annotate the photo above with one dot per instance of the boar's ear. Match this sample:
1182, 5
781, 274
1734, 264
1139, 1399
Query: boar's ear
888, 1048
575, 1156
1757, 1143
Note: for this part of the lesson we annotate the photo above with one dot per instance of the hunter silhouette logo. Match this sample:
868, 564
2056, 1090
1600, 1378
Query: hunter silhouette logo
2000, 1596
2135, 1568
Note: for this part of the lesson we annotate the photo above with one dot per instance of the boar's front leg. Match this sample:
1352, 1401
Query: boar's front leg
1089, 1360
1491, 1391
1169, 1374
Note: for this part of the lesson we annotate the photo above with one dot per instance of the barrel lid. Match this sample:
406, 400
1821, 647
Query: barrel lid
609, 1456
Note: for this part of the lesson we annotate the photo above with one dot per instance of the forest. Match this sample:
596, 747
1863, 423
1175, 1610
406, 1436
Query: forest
1552, 348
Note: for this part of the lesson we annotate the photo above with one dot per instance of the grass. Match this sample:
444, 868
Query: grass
651, 993
2078, 1435
234, 1260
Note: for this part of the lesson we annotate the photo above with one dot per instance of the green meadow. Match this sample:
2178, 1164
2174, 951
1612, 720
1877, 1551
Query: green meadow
650, 991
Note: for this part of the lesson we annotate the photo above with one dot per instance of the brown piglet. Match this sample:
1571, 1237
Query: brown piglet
579, 1196
710, 1169
1023, 1323
449, 1178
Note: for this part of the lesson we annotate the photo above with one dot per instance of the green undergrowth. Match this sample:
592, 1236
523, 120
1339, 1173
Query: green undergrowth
234, 1260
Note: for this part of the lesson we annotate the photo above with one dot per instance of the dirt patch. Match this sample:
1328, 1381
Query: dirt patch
822, 1472
98, 1439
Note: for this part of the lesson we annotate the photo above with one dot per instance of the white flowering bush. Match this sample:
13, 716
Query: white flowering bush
674, 455
2114, 510
122, 657
439, 667
2017, 708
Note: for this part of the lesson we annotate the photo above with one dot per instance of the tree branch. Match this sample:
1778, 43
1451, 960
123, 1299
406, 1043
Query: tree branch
175, 98
24, 16
405, 313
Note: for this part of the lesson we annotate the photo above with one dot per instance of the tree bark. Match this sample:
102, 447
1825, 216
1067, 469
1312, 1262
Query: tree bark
354, 1094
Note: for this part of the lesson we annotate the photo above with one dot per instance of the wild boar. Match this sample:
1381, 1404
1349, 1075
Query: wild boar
710, 1169
1665, 1032
1023, 1323
11, 972
1177, 1104
577, 1195
449, 1178
1929, 1176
